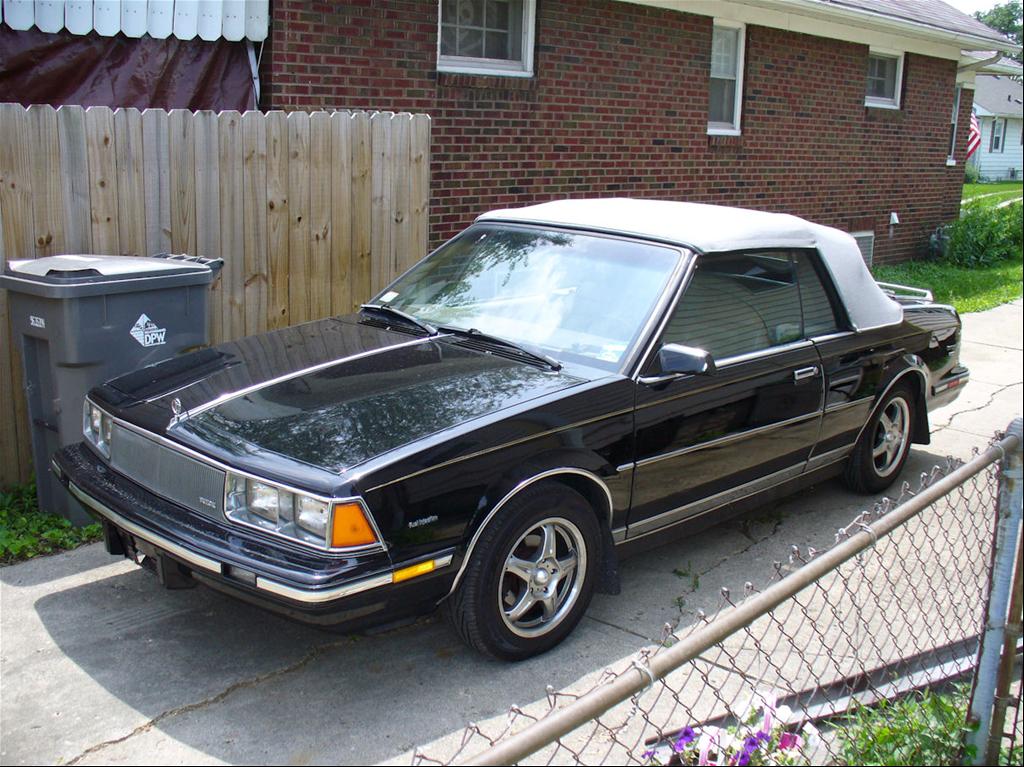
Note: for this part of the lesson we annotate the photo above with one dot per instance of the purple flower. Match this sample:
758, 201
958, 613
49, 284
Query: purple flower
647, 755
686, 737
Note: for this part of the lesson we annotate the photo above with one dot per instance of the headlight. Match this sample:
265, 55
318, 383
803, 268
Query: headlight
301, 517
96, 428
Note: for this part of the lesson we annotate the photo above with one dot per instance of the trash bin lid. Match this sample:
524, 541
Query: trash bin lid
70, 276
64, 269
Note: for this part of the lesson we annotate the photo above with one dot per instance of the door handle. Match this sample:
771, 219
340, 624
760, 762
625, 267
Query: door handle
802, 373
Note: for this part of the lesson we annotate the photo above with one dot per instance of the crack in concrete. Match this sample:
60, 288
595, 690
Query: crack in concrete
744, 530
988, 403
304, 661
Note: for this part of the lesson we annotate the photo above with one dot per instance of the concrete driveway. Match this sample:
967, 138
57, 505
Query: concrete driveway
100, 665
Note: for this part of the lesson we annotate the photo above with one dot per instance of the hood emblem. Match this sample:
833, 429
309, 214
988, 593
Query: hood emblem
176, 406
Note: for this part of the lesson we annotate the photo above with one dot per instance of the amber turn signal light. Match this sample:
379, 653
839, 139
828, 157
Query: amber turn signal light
350, 527
413, 571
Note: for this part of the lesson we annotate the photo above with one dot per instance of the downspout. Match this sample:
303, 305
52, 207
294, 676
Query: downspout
254, 67
975, 66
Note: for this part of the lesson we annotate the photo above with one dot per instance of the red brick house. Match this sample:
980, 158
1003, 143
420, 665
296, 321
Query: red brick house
838, 110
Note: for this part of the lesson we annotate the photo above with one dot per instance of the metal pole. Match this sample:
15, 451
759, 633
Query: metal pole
1008, 661
632, 681
1008, 528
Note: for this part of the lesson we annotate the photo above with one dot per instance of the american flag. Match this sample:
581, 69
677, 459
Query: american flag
974, 136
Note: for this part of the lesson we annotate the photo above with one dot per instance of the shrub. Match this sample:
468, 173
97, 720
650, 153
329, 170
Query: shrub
984, 236
971, 174
26, 532
922, 728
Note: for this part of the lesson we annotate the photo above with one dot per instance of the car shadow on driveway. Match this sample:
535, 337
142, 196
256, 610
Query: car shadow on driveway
204, 677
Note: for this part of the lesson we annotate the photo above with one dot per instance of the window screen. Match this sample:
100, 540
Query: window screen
725, 77
882, 77
482, 30
738, 303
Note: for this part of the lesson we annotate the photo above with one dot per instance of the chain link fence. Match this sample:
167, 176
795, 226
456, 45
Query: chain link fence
838, 656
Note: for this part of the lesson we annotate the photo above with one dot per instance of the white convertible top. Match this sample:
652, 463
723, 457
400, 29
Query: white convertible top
716, 228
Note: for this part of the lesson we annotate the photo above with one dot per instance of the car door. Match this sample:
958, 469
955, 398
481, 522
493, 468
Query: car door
704, 440
853, 363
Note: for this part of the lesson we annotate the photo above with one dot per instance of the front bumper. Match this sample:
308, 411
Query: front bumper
304, 584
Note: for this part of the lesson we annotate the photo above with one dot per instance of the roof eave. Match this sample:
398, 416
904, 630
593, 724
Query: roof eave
888, 23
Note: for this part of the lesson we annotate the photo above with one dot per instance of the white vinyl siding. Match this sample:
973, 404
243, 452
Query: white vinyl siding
184, 19
1006, 164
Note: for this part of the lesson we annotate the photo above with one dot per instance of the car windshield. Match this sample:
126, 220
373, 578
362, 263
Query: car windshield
569, 295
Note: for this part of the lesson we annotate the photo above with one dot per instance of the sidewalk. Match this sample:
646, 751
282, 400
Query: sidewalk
99, 665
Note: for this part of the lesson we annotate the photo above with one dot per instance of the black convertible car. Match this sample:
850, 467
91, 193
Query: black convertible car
555, 383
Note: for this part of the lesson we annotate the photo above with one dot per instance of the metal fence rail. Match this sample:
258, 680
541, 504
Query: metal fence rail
896, 606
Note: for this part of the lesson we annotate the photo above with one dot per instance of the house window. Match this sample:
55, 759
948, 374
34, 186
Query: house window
885, 80
951, 157
998, 133
490, 37
726, 82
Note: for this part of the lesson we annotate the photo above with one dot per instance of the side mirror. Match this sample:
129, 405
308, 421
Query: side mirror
675, 360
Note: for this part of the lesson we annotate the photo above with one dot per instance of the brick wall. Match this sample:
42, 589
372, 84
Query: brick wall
618, 106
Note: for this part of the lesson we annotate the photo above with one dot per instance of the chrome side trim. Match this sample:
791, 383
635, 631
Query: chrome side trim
196, 560
846, 405
712, 502
832, 456
326, 595
769, 352
172, 445
832, 336
228, 396
511, 494
728, 438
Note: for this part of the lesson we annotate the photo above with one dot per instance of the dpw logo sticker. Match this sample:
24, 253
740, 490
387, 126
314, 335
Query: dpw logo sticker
147, 333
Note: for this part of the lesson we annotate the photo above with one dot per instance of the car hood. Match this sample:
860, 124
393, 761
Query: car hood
330, 394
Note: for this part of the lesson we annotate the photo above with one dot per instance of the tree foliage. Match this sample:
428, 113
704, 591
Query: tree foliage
1005, 18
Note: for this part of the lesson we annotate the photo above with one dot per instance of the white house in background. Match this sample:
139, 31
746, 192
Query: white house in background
998, 103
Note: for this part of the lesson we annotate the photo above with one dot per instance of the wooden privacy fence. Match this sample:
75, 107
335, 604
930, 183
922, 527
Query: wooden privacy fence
311, 212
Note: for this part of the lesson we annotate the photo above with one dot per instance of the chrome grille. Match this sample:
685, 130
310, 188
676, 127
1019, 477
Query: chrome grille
167, 472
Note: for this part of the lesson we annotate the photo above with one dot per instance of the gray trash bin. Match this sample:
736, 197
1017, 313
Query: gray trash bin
84, 319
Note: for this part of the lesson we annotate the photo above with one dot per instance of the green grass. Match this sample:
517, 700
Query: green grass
969, 289
1008, 187
26, 532
991, 201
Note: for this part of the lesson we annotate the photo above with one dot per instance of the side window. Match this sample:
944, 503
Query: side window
738, 303
819, 313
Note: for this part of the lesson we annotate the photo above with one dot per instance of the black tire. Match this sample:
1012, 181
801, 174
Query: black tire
884, 445
482, 608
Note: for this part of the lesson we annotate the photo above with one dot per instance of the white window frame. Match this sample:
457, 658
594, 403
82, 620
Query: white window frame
886, 103
724, 129
497, 67
954, 124
1001, 134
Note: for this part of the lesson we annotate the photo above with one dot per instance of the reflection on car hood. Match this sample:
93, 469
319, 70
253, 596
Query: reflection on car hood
386, 390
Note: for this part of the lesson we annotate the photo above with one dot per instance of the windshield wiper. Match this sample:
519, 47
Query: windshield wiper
551, 362
390, 311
